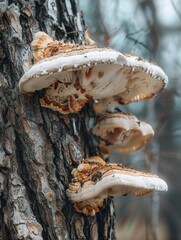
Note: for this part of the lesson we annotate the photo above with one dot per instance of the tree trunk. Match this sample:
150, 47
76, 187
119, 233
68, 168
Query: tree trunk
40, 147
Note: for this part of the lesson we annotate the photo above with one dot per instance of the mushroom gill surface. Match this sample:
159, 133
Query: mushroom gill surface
121, 132
75, 74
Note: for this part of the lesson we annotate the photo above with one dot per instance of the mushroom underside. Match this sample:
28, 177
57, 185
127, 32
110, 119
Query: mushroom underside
122, 132
130, 144
120, 136
83, 87
102, 78
117, 184
94, 180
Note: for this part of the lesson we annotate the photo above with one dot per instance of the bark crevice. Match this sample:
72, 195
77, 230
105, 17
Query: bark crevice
39, 147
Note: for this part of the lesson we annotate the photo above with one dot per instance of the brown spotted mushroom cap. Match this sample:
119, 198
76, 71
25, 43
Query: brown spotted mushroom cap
122, 132
94, 180
75, 74
59, 67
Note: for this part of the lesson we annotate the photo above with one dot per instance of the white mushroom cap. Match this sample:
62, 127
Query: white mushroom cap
94, 180
89, 73
118, 183
122, 132
55, 68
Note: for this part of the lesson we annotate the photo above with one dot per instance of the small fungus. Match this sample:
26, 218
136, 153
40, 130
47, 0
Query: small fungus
121, 132
87, 193
75, 74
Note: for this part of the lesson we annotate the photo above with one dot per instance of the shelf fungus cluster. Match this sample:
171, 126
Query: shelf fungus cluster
73, 75
76, 74
94, 180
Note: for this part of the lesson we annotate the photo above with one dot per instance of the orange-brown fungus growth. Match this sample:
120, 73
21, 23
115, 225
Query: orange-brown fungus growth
94, 180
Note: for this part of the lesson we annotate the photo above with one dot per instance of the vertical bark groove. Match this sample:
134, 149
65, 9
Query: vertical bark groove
39, 147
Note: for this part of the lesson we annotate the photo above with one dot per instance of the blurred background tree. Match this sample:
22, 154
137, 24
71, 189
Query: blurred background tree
152, 29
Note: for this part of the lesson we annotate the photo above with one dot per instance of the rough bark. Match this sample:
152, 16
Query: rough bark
39, 147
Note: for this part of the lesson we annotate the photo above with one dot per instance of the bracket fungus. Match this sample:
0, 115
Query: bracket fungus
121, 132
94, 180
75, 74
